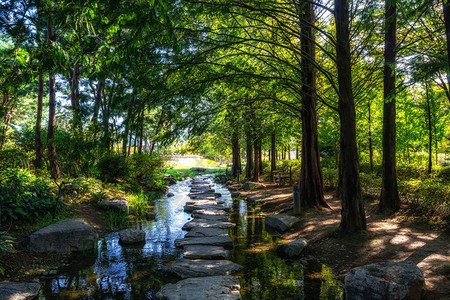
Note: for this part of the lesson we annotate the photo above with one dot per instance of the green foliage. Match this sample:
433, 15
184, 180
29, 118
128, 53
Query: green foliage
112, 167
97, 197
139, 204
145, 166
81, 187
6, 245
116, 219
13, 158
23, 197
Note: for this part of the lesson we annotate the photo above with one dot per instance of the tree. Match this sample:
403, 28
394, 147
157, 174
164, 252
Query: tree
353, 214
389, 199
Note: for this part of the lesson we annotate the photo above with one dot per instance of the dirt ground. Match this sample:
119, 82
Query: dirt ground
388, 238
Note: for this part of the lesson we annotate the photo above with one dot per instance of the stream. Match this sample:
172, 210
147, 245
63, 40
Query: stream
135, 272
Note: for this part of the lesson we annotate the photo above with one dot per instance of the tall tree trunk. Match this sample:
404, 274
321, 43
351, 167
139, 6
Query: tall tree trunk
37, 132
127, 125
98, 101
158, 128
260, 158
51, 148
370, 139
389, 199
311, 180
257, 160
446, 10
430, 132
236, 152
141, 133
289, 152
273, 152
8, 108
353, 214
249, 166
75, 99
296, 152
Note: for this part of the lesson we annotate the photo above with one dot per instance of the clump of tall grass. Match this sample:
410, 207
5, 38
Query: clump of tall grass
138, 204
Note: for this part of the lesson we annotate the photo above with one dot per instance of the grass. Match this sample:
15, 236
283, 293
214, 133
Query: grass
139, 204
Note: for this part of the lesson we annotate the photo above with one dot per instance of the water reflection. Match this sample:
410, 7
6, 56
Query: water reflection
135, 272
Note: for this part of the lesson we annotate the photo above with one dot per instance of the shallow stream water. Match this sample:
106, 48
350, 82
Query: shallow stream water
135, 272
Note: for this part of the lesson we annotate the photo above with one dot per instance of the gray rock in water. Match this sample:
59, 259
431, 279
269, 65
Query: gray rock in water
204, 232
292, 249
150, 216
205, 288
19, 290
204, 252
186, 268
210, 212
132, 236
385, 281
207, 224
202, 202
115, 203
170, 195
63, 237
223, 241
210, 217
205, 196
281, 222
191, 208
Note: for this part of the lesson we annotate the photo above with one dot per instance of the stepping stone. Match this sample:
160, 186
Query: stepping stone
19, 290
223, 241
202, 202
292, 249
63, 237
212, 218
213, 287
204, 252
203, 232
203, 196
281, 222
207, 224
186, 268
210, 212
191, 208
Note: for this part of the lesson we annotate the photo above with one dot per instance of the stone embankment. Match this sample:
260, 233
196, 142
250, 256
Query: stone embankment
204, 267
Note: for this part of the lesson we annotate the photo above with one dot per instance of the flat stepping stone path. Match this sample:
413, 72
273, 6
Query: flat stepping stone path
204, 256
204, 252
223, 241
204, 232
186, 268
207, 224
213, 287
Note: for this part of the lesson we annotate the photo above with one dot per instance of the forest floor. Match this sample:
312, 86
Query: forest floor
388, 238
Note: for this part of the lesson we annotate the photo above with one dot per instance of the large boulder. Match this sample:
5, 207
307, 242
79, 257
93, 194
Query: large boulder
63, 237
186, 268
292, 249
281, 222
19, 290
385, 281
213, 288
131, 236
115, 203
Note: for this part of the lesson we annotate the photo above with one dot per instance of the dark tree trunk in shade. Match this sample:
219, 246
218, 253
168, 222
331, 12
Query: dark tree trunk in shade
389, 198
75, 99
127, 125
430, 131
273, 153
249, 162
260, 158
236, 152
311, 180
353, 215
37, 133
141, 131
446, 10
296, 152
257, 160
97, 104
370, 138
51, 148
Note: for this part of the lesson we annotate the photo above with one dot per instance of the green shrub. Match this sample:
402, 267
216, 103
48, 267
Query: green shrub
81, 187
13, 158
116, 219
97, 197
138, 204
23, 197
6, 245
145, 166
112, 167
330, 176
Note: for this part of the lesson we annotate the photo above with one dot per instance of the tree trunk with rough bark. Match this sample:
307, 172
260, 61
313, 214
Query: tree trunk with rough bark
389, 199
353, 215
37, 132
249, 162
273, 153
236, 152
